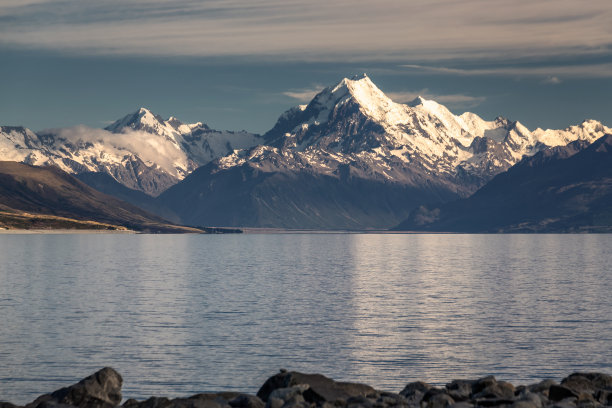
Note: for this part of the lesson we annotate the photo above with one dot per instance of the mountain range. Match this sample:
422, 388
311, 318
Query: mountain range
350, 159
562, 189
142, 151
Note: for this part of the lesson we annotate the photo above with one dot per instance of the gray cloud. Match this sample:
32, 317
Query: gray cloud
314, 30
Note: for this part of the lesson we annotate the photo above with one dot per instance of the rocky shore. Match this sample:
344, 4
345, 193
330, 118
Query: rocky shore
298, 390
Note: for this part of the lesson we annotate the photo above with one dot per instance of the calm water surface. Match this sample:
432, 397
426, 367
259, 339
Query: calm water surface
182, 314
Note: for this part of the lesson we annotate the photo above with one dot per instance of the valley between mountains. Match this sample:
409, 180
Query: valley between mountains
351, 159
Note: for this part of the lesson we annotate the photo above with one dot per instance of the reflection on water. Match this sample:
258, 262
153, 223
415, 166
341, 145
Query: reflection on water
178, 315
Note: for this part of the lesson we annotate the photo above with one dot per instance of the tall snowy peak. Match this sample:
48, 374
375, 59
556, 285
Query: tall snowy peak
355, 123
147, 121
199, 143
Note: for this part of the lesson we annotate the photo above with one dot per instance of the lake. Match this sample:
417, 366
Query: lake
183, 314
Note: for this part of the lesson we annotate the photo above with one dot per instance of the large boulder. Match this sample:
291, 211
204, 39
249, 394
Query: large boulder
100, 390
588, 383
321, 389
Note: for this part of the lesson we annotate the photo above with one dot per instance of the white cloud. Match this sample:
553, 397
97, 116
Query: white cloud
150, 149
314, 30
304, 95
551, 80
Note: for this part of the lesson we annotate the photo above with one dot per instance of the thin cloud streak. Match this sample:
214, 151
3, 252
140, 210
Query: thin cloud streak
317, 30
603, 70
304, 95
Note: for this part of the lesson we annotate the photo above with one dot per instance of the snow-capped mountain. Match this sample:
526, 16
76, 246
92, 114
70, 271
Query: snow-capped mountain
141, 151
355, 123
361, 160
351, 158
193, 145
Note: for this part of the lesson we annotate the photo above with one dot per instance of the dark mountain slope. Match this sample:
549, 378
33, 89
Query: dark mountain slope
51, 191
563, 189
246, 196
108, 185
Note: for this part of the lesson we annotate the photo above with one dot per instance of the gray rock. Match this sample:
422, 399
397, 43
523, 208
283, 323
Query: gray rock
100, 390
482, 383
290, 397
566, 403
321, 388
524, 404
359, 401
296, 401
560, 392
494, 402
460, 390
497, 390
153, 402
542, 387
205, 400
246, 401
274, 403
388, 399
604, 397
432, 392
414, 387
440, 400
462, 404
589, 383
527, 399
285, 394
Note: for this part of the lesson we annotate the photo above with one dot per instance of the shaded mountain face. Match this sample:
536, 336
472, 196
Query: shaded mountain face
340, 161
106, 184
142, 151
51, 191
249, 197
562, 189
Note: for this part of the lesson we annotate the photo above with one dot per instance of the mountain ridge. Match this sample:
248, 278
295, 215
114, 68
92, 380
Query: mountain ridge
36, 193
562, 189
349, 134
141, 150
341, 139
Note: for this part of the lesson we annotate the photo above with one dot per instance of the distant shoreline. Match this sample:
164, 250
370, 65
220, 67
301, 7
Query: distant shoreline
63, 231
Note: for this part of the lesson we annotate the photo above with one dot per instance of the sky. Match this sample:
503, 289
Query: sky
238, 64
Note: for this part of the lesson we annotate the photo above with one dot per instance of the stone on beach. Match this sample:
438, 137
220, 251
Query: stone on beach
298, 390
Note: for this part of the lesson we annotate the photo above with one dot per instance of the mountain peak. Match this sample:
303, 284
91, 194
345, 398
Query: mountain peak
419, 100
142, 118
362, 90
359, 77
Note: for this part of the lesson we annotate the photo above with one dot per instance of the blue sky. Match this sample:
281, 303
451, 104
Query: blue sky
238, 64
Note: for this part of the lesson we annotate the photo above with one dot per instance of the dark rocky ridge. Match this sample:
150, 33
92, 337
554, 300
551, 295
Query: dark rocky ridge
297, 390
562, 189
49, 191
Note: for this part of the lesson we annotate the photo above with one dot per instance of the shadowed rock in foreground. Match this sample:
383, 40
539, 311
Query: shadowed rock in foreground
297, 390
